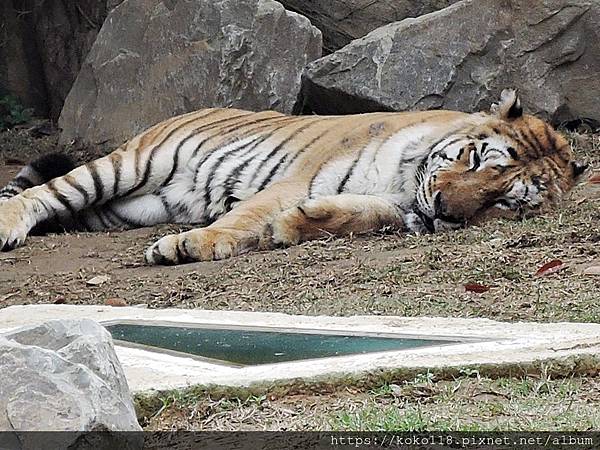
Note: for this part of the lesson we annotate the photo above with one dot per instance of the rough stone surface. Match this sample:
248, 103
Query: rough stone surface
463, 56
64, 33
154, 59
42, 47
342, 21
21, 72
63, 375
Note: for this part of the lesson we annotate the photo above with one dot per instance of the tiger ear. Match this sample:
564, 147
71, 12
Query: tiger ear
509, 107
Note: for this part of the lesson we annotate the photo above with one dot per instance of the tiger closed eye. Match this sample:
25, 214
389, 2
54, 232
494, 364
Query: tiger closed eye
475, 159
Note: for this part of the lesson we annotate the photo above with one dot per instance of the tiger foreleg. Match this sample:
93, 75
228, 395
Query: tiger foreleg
336, 215
237, 232
82, 191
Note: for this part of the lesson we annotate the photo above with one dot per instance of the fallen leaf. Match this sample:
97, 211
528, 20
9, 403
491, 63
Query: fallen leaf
550, 267
593, 270
490, 394
13, 162
115, 302
477, 288
7, 296
396, 390
99, 280
595, 179
60, 300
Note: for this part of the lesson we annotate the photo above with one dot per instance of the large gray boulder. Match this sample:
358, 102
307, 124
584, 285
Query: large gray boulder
463, 56
64, 375
154, 59
342, 21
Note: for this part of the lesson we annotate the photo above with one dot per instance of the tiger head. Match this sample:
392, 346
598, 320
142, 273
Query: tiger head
511, 165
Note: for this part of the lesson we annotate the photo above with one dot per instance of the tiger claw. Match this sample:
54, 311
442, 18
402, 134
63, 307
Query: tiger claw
153, 256
199, 245
13, 229
11, 245
159, 253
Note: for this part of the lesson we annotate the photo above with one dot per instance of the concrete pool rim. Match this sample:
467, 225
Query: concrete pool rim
440, 340
496, 348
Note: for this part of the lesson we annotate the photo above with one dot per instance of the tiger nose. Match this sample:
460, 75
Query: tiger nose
439, 205
446, 211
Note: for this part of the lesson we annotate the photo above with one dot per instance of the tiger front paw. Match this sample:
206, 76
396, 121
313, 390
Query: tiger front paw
307, 221
14, 224
199, 245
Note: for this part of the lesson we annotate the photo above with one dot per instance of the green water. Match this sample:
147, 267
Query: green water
251, 347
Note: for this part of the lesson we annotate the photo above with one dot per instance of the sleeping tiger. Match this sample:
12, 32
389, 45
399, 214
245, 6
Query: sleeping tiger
259, 180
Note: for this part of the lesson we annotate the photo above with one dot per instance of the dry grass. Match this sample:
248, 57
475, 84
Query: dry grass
469, 403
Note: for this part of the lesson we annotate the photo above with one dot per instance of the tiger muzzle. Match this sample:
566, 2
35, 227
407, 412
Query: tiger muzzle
446, 214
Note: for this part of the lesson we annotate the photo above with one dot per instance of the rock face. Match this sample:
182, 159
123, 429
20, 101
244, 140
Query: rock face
64, 33
154, 59
462, 57
63, 375
21, 71
342, 21
42, 47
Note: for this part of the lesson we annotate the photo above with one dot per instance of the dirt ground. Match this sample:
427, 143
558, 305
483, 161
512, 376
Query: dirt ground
387, 274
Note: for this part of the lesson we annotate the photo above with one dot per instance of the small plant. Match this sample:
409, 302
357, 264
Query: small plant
12, 112
470, 373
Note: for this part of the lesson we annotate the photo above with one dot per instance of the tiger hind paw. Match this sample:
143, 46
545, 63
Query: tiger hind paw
199, 245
